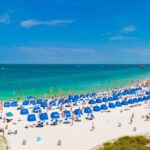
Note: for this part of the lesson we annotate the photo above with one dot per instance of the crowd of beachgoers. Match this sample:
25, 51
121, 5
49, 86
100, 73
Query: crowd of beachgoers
40, 113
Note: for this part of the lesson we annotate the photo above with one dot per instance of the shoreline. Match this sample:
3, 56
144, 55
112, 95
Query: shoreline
82, 137
67, 93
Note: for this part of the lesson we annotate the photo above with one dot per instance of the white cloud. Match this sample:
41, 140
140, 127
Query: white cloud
122, 37
5, 18
54, 50
31, 22
129, 29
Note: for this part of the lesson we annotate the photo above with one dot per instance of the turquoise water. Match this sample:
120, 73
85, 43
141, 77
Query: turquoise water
43, 80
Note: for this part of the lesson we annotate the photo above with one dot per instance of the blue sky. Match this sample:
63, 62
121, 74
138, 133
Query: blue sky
74, 31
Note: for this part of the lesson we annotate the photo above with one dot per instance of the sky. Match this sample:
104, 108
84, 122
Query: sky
74, 31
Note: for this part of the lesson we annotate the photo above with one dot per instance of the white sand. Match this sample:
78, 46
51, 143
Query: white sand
79, 136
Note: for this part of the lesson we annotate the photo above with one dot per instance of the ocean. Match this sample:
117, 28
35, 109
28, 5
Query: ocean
55, 80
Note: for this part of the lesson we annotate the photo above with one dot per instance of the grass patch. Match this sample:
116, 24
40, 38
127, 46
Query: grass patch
128, 143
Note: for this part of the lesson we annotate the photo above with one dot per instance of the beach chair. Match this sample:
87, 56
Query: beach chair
24, 142
59, 143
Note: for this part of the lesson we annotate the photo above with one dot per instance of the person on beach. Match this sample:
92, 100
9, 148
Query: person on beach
93, 127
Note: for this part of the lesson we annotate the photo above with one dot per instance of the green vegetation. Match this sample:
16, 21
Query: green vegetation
3, 143
128, 143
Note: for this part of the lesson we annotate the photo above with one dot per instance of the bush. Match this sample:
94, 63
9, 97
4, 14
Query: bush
128, 143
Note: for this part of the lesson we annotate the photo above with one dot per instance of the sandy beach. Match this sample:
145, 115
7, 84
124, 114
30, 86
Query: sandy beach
81, 135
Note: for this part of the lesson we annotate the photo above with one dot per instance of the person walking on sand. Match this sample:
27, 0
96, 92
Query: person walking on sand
93, 127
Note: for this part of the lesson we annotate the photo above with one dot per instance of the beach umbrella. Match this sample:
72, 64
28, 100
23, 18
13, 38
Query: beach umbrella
24, 111
25, 102
52, 103
30, 97
87, 110
33, 102
67, 101
55, 115
9, 114
111, 105
70, 97
110, 98
135, 100
147, 93
39, 101
116, 95
140, 99
105, 99
67, 114
14, 104
88, 95
82, 96
44, 104
43, 116
93, 94
124, 102
130, 101
6, 104
98, 100
118, 104
145, 98
31, 118
61, 102
96, 108
78, 112
104, 107
36, 110
92, 101
76, 97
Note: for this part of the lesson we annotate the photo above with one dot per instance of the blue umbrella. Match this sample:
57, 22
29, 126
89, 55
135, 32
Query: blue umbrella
78, 112
67, 114
39, 101
82, 96
140, 99
124, 103
14, 104
96, 108
36, 109
31, 118
55, 115
87, 110
93, 94
33, 102
52, 103
44, 104
30, 97
68, 101
104, 107
24, 111
98, 100
6, 104
105, 99
111, 105
118, 104
43, 116
135, 100
130, 101
25, 102
92, 102
110, 98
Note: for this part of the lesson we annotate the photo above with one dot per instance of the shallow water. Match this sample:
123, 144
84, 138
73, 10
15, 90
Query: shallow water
43, 80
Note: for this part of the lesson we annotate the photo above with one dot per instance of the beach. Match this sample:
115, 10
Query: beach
84, 134
79, 135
